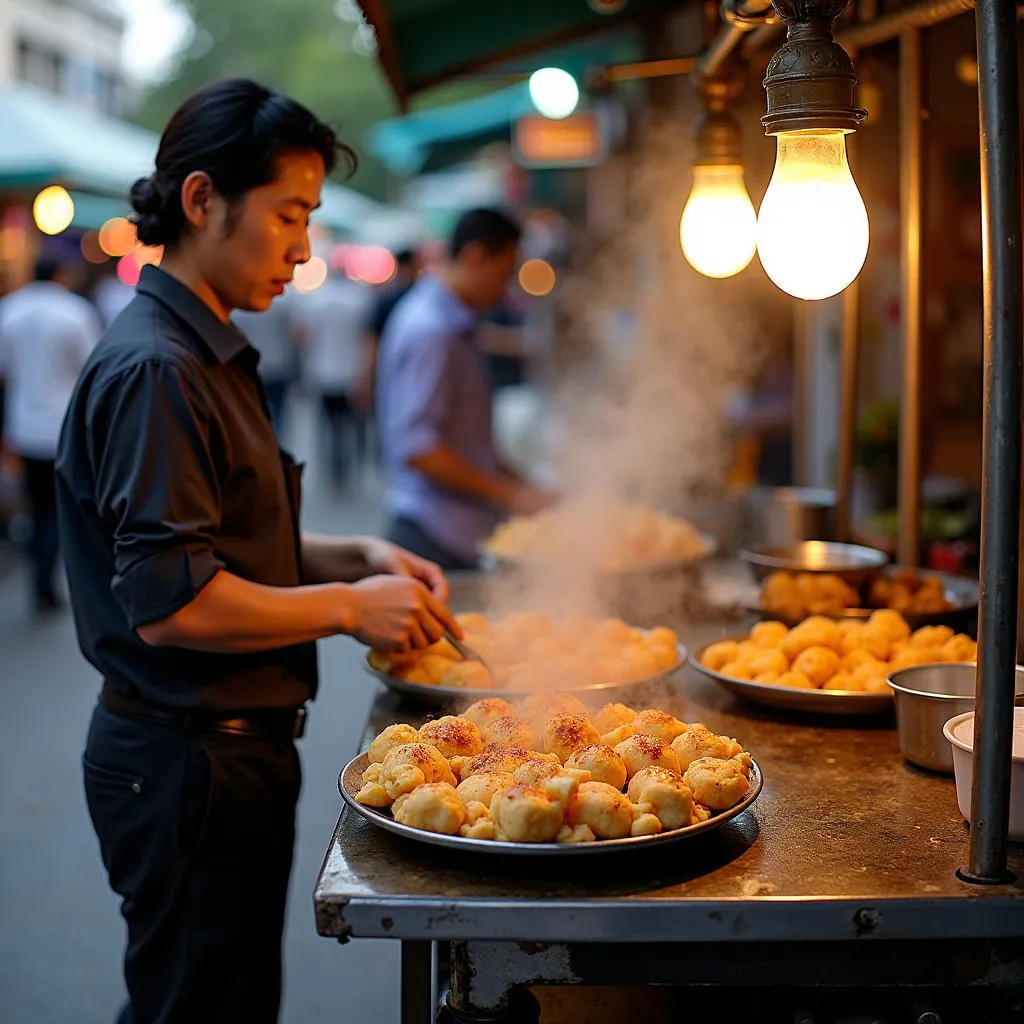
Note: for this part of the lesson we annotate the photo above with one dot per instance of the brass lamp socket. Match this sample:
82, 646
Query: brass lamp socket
810, 82
719, 141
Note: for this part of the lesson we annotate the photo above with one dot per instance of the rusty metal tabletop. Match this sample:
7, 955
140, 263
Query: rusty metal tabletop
846, 841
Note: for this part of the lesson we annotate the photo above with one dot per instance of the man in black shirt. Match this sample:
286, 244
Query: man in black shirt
195, 594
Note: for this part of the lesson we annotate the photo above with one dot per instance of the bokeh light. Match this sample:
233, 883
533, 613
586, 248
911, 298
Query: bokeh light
129, 266
554, 92
537, 278
91, 251
53, 210
118, 237
12, 242
371, 264
309, 276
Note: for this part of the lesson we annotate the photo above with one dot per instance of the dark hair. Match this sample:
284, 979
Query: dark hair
47, 268
405, 258
234, 130
492, 229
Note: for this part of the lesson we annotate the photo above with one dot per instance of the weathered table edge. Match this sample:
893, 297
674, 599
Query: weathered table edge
988, 915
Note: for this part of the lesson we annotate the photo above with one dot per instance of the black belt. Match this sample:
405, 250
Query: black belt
280, 724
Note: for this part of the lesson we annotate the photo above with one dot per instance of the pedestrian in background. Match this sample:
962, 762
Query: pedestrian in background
46, 335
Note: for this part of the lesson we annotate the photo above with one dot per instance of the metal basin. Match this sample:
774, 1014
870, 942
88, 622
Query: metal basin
849, 562
782, 516
927, 697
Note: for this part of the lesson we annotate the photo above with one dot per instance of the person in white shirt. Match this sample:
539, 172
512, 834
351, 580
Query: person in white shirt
332, 320
46, 335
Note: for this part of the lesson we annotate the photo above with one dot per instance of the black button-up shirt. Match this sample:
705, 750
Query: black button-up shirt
168, 471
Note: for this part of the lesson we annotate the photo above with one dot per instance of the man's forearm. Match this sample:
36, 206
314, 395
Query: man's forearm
327, 559
451, 471
231, 615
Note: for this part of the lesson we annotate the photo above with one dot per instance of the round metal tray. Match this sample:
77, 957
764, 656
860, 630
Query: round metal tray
439, 696
818, 702
350, 782
849, 562
961, 593
492, 561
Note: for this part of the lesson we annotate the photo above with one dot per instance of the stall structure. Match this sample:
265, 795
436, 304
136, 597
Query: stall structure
854, 872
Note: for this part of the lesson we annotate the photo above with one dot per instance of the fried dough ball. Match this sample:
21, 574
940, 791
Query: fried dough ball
662, 657
890, 624
525, 814
603, 808
611, 716
715, 783
454, 737
819, 664
496, 759
736, 670
387, 661
565, 733
769, 634
961, 648
871, 677
510, 731
643, 751
769, 678
645, 825
664, 794
779, 591
857, 657
434, 807
661, 724
850, 630
718, 655
373, 794
931, 636
392, 736
411, 765
699, 741
537, 770
480, 788
767, 660
795, 680
817, 631
603, 764
486, 710
473, 622
478, 823
539, 707
906, 656
577, 834
467, 675
662, 636
617, 736
410, 672
840, 681
434, 666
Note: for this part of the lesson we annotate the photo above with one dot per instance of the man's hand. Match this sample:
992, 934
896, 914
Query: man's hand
397, 613
384, 557
527, 500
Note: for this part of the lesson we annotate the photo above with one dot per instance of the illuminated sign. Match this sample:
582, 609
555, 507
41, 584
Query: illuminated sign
579, 140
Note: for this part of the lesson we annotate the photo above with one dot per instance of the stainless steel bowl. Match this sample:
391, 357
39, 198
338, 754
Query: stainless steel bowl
849, 562
927, 697
782, 516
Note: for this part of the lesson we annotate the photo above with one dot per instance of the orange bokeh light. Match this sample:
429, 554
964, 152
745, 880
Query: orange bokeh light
118, 237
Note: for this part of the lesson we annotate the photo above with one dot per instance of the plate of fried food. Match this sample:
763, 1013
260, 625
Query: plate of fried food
527, 652
922, 597
828, 666
622, 538
548, 776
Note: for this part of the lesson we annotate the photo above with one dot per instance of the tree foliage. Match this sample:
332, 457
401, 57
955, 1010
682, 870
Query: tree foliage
301, 47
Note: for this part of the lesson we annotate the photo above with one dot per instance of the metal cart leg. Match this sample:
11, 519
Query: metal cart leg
479, 994
417, 982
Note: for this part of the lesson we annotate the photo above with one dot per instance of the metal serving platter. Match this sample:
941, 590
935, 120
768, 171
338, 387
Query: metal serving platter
850, 562
961, 593
350, 782
439, 696
492, 561
817, 702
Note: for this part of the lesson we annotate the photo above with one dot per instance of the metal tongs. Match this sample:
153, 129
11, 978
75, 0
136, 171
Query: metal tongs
467, 653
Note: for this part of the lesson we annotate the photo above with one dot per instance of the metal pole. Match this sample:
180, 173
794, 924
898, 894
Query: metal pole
911, 143
889, 26
999, 105
849, 383
801, 391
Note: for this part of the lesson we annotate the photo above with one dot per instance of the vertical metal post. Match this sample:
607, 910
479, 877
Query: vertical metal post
999, 104
801, 392
849, 384
911, 187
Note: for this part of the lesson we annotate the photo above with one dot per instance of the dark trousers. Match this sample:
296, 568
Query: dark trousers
408, 534
344, 431
42, 504
196, 833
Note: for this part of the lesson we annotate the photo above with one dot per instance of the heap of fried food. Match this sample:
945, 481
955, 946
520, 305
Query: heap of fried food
549, 770
825, 654
795, 596
621, 536
530, 651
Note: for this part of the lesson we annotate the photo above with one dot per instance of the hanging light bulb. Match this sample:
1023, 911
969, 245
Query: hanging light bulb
718, 228
812, 231
812, 228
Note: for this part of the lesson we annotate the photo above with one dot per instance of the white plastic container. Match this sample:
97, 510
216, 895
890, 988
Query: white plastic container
960, 733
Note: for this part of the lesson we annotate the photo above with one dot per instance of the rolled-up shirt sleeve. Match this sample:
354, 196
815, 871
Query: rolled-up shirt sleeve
157, 487
423, 396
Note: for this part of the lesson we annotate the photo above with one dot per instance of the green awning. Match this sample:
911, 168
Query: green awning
424, 42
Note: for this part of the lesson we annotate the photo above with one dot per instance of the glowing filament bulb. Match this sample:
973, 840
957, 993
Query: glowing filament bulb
812, 230
718, 229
